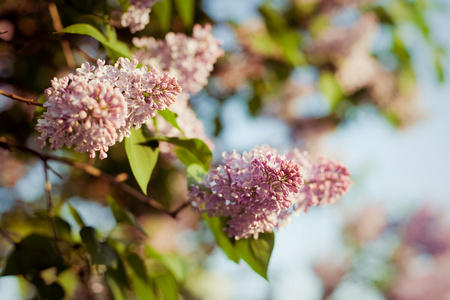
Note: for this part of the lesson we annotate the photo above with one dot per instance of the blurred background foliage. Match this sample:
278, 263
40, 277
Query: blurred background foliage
310, 63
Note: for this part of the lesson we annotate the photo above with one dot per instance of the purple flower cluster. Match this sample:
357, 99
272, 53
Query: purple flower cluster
189, 59
259, 190
98, 106
251, 189
325, 180
137, 15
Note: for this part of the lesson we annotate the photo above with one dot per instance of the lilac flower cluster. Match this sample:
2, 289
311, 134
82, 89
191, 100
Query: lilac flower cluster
325, 180
259, 190
189, 59
98, 106
137, 15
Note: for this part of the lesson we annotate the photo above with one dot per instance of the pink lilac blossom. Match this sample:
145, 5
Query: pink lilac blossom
428, 231
137, 16
325, 180
251, 189
187, 121
87, 114
74, 118
259, 190
145, 90
189, 59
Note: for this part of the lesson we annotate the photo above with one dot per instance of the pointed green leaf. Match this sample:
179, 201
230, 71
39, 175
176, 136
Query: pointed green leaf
140, 278
86, 29
142, 159
195, 174
76, 216
163, 12
185, 9
114, 50
173, 263
167, 286
170, 117
330, 88
123, 216
216, 226
114, 289
256, 253
190, 151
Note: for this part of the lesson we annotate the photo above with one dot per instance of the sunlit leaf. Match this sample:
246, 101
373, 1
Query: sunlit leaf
173, 263
216, 226
114, 289
75, 215
123, 216
256, 253
140, 278
195, 174
189, 151
87, 29
167, 286
330, 88
142, 159
170, 117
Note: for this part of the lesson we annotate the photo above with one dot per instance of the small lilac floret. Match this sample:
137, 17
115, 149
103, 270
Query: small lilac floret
189, 59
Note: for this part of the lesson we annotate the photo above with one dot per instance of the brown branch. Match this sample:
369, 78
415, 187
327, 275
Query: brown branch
19, 98
85, 55
4, 143
57, 25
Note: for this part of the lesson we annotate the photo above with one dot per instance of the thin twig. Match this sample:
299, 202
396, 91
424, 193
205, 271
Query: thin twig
21, 99
180, 208
4, 143
85, 55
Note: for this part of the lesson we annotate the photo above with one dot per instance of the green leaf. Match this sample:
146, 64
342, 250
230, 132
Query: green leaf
189, 151
167, 286
114, 43
195, 174
330, 88
33, 254
170, 117
140, 278
114, 50
123, 216
439, 70
186, 9
163, 12
101, 253
216, 225
173, 263
114, 288
142, 159
54, 291
76, 216
86, 29
256, 253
